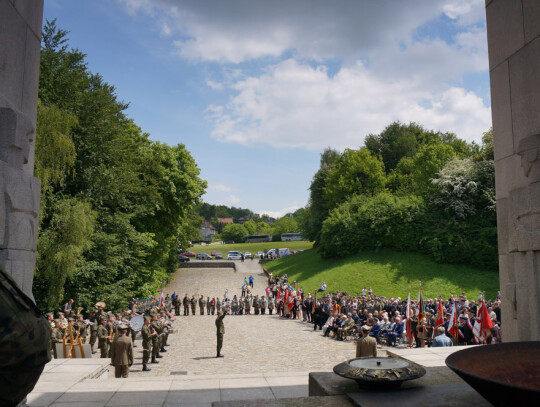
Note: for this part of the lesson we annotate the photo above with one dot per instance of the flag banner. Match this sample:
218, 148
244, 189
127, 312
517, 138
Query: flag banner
408, 315
453, 324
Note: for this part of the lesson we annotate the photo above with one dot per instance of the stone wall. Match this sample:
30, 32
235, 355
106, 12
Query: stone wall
20, 31
514, 63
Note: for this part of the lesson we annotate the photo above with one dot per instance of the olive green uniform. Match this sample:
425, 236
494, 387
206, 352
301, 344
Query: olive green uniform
185, 303
103, 343
156, 339
202, 305
56, 337
219, 333
146, 333
193, 305
80, 329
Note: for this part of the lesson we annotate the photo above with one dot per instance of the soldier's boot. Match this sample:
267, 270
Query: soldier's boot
163, 349
154, 360
159, 356
146, 368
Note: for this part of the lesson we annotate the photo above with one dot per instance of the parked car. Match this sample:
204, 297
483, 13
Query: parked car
204, 256
233, 255
213, 253
259, 254
248, 255
183, 259
219, 256
189, 254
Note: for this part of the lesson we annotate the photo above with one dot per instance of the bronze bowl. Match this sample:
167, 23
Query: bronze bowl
504, 374
379, 373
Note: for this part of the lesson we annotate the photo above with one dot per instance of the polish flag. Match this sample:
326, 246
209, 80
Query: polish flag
453, 325
408, 315
482, 324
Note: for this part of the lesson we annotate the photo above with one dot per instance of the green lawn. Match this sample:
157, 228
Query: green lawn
389, 273
250, 247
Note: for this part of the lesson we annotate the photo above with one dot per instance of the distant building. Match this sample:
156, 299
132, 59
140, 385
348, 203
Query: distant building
243, 219
207, 231
225, 220
289, 237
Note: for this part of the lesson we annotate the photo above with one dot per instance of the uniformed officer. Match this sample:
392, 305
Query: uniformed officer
193, 304
147, 334
80, 328
202, 304
56, 336
218, 304
220, 331
256, 305
156, 340
186, 303
122, 353
93, 329
103, 337
208, 305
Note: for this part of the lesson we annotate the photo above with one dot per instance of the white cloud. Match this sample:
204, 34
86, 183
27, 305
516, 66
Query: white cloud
218, 187
465, 12
280, 213
214, 85
297, 105
232, 200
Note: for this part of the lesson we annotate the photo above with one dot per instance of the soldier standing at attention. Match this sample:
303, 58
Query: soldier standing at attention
218, 304
213, 305
156, 326
366, 346
256, 305
80, 328
262, 303
220, 332
103, 337
202, 304
147, 333
56, 336
193, 304
208, 305
93, 330
122, 353
185, 303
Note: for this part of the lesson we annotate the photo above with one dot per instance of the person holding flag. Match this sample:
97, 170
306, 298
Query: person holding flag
408, 315
482, 324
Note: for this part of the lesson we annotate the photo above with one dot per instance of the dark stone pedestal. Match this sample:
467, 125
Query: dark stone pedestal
332, 401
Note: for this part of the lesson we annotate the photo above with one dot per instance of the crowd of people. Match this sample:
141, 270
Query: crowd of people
367, 317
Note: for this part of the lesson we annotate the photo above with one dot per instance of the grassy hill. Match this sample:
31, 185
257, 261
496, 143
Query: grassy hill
389, 273
250, 247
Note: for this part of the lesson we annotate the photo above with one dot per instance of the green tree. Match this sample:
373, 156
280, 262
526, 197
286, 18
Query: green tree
286, 224
234, 232
354, 172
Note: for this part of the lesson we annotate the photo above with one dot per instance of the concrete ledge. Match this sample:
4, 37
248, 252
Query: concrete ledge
207, 264
336, 401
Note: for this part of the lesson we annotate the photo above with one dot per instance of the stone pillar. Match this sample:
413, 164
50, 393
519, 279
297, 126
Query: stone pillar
20, 34
514, 62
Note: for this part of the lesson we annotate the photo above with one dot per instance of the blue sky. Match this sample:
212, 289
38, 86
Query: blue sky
257, 89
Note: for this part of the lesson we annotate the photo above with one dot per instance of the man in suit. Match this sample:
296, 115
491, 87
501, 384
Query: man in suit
366, 346
220, 332
122, 353
395, 334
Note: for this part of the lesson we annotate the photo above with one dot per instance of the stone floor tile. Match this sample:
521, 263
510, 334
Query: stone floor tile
145, 386
247, 393
195, 384
142, 398
193, 396
281, 392
83, 396
79, 404
242, 383
36, 399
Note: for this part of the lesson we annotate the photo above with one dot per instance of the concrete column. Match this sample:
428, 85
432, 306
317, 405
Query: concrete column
514, 62
20, 34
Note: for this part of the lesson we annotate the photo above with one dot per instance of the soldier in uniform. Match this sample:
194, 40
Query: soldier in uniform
247, 305
111, 326
50, 319
147, 334
93, 330
56, 336
366, 345
218, 304
220, 332
156, 339
193, 304
256, 304
103, 337
202, 304
176, 304
185, 303
208, 305
80, 328
122, 353
165, 323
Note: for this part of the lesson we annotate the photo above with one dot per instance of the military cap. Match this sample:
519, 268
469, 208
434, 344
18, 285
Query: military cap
103, 318
118, 314
80, 316
49, 313
60, 313
71, 319
122, 327
366, 328
147, 318
153, 312
57, 321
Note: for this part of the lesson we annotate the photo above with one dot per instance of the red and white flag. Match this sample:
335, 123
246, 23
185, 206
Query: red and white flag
408, 315
453, 324
482, 324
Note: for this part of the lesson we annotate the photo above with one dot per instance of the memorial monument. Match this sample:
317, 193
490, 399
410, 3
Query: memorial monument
20, 33
513, 28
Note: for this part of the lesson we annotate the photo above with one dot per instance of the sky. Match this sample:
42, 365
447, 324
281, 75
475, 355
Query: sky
257, 89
